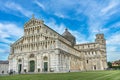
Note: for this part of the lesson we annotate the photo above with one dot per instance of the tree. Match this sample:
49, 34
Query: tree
109, 65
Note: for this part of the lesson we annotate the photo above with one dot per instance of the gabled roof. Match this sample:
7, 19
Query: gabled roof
33, 19
117, 62
4, 62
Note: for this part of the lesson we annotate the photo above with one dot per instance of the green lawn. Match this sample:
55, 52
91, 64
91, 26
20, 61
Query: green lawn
91, 75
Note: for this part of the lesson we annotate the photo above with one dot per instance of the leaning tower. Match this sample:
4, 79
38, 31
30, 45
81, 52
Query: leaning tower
102, 47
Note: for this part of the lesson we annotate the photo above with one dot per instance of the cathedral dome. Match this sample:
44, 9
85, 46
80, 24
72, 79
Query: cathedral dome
69, 36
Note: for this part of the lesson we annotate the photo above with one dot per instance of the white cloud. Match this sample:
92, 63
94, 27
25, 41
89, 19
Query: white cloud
40, 4
60, 15
9, 33
4, 56
1, 50
4, 51
114, 39
97, 21
58, 28
109, 7
112, 56
111, 48
59, 8
80, 38
116, 25
94, 11
113, 44
16, 7
9, 30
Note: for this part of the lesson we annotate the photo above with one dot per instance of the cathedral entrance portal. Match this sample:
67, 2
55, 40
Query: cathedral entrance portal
45, 66
45, 63
19, 68
32, 66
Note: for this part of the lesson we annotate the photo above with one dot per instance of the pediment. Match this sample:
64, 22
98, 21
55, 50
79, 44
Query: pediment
33, 22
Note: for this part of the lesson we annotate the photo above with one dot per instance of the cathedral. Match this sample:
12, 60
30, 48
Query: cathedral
41, 49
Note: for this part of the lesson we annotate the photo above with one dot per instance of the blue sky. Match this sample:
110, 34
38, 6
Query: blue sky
83, 18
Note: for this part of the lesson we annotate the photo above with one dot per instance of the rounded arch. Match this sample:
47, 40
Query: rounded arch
19, 60
45, 58
31, 56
